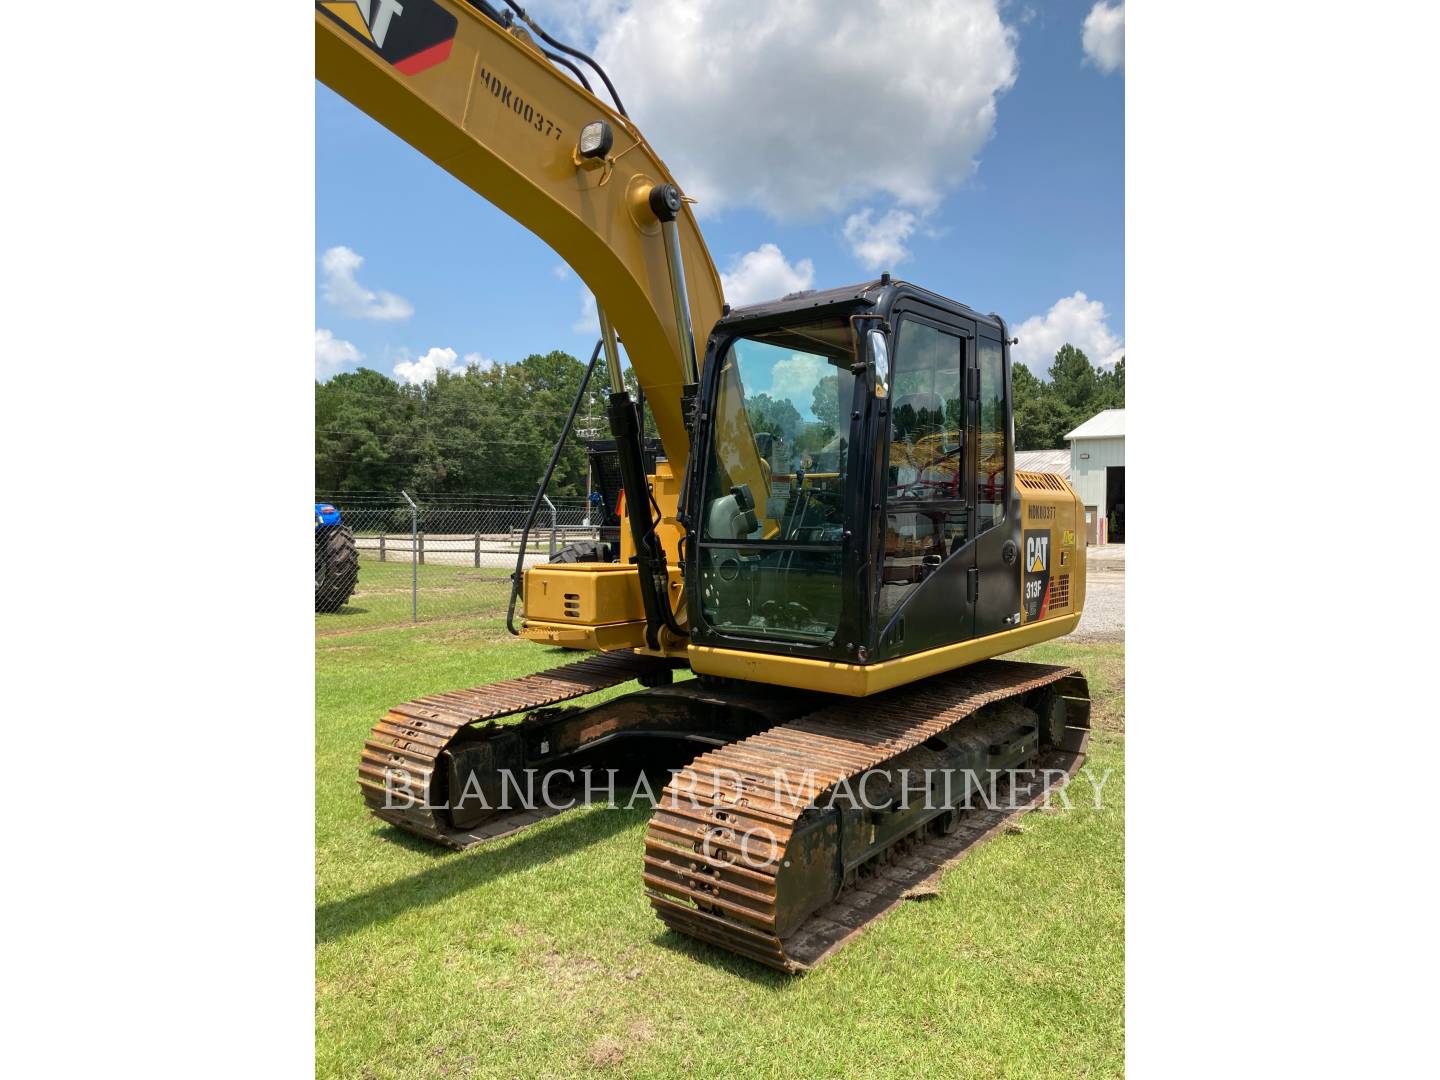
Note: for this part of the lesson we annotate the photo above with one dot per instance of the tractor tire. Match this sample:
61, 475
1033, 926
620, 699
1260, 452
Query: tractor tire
585, 551
337, 567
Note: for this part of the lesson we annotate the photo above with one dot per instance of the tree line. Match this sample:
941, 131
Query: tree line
492, 430
1075, 391
485, 430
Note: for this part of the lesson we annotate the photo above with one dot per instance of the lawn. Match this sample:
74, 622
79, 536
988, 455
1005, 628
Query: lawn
382, 596
539, 956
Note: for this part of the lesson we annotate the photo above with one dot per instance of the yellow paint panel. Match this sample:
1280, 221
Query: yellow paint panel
593, 598
861, 680
602, 638
588, 594
1048, 502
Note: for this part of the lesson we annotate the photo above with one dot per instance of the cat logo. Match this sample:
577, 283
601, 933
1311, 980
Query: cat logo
1037, 553
410, 35
1035, 590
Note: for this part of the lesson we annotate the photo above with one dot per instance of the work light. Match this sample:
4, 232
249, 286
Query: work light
595, 139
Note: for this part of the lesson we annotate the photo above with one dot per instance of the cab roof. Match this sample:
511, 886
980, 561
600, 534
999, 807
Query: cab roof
880, 294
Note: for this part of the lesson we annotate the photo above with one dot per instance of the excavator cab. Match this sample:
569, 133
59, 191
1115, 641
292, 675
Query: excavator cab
853, 498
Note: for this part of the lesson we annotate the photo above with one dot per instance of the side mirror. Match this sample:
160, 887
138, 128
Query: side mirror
880, 358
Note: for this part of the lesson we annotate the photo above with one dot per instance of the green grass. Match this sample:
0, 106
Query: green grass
539, 956
382, 596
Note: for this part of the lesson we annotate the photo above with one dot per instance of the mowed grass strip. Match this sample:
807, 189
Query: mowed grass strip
539, 955
383, 593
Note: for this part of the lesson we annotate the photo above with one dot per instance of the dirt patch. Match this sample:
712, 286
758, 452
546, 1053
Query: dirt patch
566, 974
606, 1052
558, 963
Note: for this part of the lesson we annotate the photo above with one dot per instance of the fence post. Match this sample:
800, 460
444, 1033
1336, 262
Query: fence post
422, 549
477, 549
551, 505
414, 570
382, 547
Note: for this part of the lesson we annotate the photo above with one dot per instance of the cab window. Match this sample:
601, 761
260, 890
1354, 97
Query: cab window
990, 455
925, 514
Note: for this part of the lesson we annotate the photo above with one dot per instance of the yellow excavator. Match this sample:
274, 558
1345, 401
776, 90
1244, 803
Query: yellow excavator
834, 540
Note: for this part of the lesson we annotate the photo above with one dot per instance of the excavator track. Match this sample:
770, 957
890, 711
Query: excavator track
739, 853
401, 762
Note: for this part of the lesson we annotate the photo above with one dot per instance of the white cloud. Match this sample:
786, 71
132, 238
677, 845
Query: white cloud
332, 353
799, 107
589, 320
474, 359
1104, 36
350, 297
561, 271
577, 23
416, 372
765, 274
795, 378
1075, 320
879, 245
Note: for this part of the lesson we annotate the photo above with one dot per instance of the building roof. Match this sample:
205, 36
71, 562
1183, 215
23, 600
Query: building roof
1109, 424
1047, 461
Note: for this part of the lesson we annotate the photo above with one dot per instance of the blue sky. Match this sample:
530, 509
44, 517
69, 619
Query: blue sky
995, 177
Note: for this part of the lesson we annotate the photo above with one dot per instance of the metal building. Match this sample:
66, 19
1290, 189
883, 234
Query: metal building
1097, 473
1051, 461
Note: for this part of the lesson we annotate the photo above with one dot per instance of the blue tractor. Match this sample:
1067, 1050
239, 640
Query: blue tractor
337, 563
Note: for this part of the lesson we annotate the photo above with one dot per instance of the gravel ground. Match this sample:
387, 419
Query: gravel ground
1104, 616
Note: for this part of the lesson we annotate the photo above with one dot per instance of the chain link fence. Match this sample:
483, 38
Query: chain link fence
420, 558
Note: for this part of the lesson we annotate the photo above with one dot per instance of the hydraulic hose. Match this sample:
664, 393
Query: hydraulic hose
519, 575
650, 561
528, 21
505, 21
567, 64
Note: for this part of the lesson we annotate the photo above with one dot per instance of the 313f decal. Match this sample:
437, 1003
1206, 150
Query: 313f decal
1037, 573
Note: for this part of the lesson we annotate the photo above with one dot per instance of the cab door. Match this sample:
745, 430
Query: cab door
927, 506
995, 588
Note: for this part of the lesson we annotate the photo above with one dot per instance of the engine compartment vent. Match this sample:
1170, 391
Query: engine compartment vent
1060, 593
1039, 481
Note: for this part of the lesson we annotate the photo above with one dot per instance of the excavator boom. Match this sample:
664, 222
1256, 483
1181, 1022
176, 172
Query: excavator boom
479, 99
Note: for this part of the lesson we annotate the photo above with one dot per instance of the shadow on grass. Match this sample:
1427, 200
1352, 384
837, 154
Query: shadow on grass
455, 872
719, 959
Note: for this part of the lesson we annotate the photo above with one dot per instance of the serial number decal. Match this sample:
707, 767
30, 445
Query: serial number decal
522, 109
1040, 513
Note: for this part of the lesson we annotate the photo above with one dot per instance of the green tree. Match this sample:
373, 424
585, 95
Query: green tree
1026, 393
1112, 386
1075, 391
366, 429
1072, 379
825, 403
775, 416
